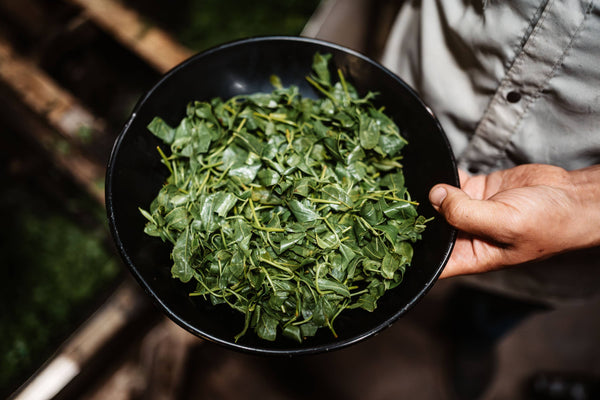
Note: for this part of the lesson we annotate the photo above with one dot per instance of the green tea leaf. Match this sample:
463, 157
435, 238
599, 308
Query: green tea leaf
182, 257
177, 219
339, 199
368, 132
268, 177
267, 327
334, 286
287, 209
302, 211
161, 130
390, 264
321, 68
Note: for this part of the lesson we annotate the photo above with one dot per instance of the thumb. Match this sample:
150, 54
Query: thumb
476, 217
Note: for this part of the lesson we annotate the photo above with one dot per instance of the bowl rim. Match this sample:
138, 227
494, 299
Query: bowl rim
230, 344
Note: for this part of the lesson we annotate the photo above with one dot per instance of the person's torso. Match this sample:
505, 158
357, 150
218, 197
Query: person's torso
511, 81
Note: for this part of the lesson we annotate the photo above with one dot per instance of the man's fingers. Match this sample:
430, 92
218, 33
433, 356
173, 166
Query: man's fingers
463, 177
472, 255
478, 217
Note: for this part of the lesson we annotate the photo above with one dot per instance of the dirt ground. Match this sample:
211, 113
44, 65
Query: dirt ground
434, 352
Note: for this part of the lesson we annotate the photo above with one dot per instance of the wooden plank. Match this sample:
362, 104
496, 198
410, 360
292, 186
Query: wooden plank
45, 97
125, 305
54, 119
152, 44
61, 111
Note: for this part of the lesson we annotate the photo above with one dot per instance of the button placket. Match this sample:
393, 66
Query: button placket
523, 83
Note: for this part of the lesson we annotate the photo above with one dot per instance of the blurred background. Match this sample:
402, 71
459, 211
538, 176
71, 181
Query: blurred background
73, 324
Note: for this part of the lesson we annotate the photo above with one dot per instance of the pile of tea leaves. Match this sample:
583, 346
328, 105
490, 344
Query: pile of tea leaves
289, 209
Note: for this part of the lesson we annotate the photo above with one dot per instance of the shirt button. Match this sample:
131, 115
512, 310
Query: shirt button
513, 97
473, 169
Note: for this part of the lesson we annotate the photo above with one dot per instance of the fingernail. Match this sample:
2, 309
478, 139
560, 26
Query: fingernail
438, 195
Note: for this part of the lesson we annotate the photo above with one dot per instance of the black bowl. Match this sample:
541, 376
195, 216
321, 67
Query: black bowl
135, 174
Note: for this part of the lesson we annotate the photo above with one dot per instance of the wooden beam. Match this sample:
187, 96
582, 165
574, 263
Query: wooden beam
152, 44
61, 111
44, 96
112, 319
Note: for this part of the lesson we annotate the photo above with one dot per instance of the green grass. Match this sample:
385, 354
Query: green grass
214, 22
53, 267
54, 271
200, 24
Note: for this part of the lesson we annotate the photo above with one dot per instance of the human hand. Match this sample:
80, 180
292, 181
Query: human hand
518, 215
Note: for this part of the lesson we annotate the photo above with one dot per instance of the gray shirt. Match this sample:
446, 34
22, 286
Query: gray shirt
511, 82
